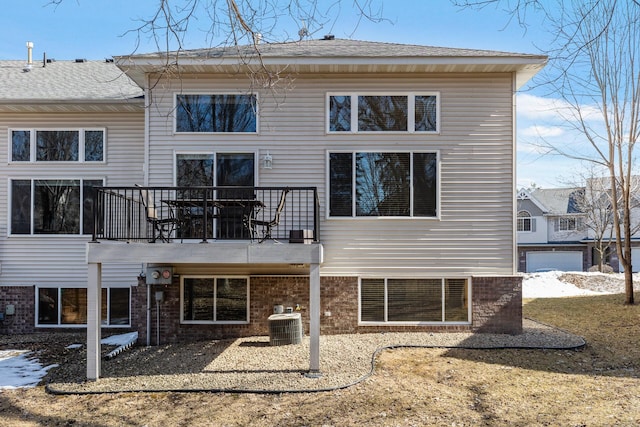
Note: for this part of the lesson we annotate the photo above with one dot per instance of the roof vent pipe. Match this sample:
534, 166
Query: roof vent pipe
29, 56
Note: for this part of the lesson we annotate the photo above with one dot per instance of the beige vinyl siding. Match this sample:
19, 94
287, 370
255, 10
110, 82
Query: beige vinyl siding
61, 260
474, 232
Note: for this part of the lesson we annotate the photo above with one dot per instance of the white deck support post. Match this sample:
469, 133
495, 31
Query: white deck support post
94, 310
314, 320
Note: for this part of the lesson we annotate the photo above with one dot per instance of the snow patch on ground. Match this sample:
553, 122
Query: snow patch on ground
548, 285
19, 369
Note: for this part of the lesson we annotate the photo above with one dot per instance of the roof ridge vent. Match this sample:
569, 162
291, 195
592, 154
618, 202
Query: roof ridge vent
329, 37
80, 60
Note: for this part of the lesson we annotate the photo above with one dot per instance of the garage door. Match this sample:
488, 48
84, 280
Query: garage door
635, 260
558, 260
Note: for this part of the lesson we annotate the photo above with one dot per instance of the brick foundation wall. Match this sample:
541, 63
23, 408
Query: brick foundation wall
497, 307
497, 304
23, 299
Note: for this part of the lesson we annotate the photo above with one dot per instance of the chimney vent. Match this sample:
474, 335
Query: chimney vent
29, 65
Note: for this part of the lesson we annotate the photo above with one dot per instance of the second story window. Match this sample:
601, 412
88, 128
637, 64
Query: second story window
567, 224
52, 206
216, 113
524, 221
375, 184
415, 112
57, 145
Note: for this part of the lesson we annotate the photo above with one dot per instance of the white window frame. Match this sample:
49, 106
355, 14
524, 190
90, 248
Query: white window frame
31, 233
419, 323
411, 97
568, 223
175, 112
214, 322
521, 220
59, 324
214, 154
353, 184
81, 145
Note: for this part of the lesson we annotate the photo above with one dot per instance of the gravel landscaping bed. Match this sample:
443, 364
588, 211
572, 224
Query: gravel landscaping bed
252, 365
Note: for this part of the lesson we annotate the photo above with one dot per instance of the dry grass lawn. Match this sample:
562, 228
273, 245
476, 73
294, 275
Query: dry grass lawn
595, 386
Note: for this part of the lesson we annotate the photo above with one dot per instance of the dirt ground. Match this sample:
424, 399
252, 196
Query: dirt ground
598, 385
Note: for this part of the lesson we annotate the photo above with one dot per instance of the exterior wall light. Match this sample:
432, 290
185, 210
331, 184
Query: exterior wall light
267, 161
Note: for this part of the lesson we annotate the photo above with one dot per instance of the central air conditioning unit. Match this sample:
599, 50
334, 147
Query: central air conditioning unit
285, 329
159, 275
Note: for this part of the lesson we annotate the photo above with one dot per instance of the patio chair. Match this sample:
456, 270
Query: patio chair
268, 225
161, 228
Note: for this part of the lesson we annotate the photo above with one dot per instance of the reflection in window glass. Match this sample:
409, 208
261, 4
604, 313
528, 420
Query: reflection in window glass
216, 113
425, 191
340, 184
382, 113
209, 299
74, 306
56, 207
340, 113
231, 299
48, 306
57, 145
425, 113
93, 146
198, 299
21, 206
115, 306
382, 184
20, 145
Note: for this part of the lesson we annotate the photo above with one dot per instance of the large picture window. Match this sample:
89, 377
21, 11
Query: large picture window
53, 206
68, 306
214, 300
414, 301
57, 145
379, 184
400, 112
216, 113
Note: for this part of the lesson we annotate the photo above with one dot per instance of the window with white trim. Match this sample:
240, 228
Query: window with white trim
52, 206
377, 184
524, 221
391, 300
216, 113
214, 299
59, 306
567, 224
388, 112
57, 145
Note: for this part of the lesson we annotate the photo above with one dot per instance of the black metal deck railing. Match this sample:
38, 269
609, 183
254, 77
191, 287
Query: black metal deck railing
183, 214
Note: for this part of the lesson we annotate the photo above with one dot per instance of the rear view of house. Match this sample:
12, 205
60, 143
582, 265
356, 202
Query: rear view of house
367, 186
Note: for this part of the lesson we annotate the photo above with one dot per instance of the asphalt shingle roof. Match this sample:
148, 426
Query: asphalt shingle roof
65, 81
337, 48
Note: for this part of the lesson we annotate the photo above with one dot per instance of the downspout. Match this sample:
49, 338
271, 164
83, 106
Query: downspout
148, 315
145, 172
514, 183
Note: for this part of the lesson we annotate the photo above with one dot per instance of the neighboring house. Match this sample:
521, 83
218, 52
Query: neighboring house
371, 192
557, 228
551, 230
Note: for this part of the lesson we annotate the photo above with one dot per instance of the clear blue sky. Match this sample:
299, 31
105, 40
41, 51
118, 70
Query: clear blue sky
97, 29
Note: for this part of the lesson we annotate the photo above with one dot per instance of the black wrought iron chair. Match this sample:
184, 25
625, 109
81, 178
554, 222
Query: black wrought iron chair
268, 225
161, 228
